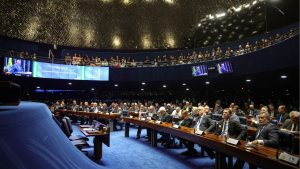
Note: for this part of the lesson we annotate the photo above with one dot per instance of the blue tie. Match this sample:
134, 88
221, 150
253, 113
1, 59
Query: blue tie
224, 128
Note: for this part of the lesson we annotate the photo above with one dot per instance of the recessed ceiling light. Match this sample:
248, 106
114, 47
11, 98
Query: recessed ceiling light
164, 86
38, 87
183, 84
143, 83
92, 89
283, 76
207, 82
116, 85
187, 89
142, 89
248, 80
70, 83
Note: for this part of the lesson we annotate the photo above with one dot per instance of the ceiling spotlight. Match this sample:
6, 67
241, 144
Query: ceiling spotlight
142, 89
164, 86
283, 76
207, 82
187, 89
220, 15
183, 84
143, 83
116, 85
248, 80
69, 83
38, 87
92, 89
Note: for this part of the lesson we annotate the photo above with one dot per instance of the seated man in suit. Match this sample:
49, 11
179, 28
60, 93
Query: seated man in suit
292, 124
266, 132
266, 135
203, 123
282, 115
230, 128
165, 117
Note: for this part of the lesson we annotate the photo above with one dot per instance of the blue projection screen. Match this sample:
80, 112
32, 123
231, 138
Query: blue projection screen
70, 72
96, 73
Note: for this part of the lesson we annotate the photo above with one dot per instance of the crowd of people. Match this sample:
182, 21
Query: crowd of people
169, 60
266, 118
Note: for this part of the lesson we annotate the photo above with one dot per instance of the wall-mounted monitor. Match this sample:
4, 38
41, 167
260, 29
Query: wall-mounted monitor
22, 67
57, 71
199, 70
17, 67
96, 73
224, 67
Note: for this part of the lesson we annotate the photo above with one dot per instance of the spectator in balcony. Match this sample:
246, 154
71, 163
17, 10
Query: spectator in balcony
133, 63
247, 47
229, 52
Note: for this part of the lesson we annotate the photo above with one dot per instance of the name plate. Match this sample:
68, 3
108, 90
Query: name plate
143, 119
158, 122
199, 132
288, 158
232, 141
130, 116
176, 126
148, 118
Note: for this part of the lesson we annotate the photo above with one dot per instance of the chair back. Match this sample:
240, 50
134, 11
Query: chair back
286, 141
65, 128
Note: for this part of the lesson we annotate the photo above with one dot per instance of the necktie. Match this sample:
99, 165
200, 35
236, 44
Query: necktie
199, 123
258, 133
280, 118
224, 132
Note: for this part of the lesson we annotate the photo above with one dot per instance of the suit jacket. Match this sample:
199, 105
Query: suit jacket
283, 118
206, 123
288, 125
235, 130
187, 122
166, 118
269, 134
234, 117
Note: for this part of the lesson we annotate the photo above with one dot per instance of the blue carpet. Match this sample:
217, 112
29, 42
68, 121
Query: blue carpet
128, 152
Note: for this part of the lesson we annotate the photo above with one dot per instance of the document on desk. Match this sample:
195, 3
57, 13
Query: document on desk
85, 126
89, 129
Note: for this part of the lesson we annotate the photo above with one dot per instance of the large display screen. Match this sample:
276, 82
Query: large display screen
18, 67
200, 70
224, 67
57, 71
21, 67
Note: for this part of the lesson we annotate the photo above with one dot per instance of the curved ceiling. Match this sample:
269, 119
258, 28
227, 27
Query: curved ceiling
120, 24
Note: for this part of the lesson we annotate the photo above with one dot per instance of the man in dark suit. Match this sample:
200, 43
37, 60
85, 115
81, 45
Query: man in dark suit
293, 123
165, 117
17, 67
282, 115
230, 128
267, 134
203, 123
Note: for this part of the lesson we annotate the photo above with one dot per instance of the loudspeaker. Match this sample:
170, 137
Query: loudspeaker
10, 93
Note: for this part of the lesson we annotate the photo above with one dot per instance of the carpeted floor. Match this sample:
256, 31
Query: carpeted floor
132, 153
